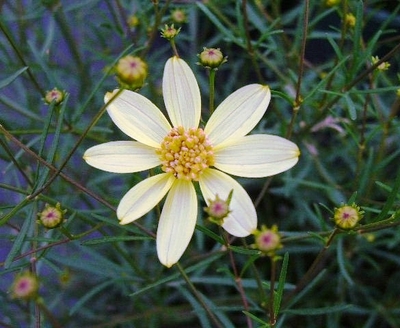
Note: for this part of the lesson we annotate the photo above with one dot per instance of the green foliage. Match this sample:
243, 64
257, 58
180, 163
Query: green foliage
328, 96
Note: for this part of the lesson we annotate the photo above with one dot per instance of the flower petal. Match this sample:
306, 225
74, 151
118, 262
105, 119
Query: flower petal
238, 114
138, 117
122, 157
257, 156
242, 220
143, 197
177, 222
181, 94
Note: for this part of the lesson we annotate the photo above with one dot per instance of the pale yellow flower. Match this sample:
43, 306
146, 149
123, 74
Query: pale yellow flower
189, 153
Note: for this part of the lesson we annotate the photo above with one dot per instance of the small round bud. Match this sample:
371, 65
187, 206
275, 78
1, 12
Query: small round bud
267, 240
133, 21
350, 20
370, 237
52, 217
347, 216
65, 277
131, 72
218, 209
25, 286
169, 32
55, 95
212, 58
179, 16
331, 3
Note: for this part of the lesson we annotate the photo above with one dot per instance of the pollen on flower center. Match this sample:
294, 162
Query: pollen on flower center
186, 153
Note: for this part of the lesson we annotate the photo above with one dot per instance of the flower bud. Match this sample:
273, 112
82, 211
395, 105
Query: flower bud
350, 20
52, 217
133, 21
179, 16
131, 72
347, 216
25, 286
218, 209
331, 3
55, 96
211, 58
169, 32
267, 240
384, 66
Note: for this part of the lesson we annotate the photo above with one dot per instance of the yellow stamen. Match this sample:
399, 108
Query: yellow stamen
186, 153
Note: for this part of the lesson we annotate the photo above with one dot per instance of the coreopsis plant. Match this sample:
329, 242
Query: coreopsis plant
190, 154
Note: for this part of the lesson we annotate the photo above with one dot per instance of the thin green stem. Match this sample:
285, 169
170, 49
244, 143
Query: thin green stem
198, 296
238, 279
272, 317
298, 99
157, 22
311, 272
340, 46
249, 46
262, 293
211, 80
359, 78
76, 184
263, 191
173, 46
21, 58
72, 44
80, 139
42, 306
53, 168
15, 162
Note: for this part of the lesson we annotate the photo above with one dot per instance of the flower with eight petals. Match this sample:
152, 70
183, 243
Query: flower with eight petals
188, 153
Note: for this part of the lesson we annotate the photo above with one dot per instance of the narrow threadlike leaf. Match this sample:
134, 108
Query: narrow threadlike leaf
281, 284
11, 78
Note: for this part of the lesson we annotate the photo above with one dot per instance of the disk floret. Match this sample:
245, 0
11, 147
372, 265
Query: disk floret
186, 153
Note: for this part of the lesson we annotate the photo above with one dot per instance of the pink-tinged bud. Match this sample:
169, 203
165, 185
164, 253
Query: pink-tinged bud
51, 217
212, 58
169, 32
179, 16
267, 240
25, 286
218, 209
131, 72
347, 216
55, 95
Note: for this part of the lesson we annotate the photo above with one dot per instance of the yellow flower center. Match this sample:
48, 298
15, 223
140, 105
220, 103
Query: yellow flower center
186, 153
